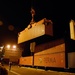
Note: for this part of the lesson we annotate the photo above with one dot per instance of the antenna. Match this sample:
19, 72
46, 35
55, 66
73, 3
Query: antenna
32, 14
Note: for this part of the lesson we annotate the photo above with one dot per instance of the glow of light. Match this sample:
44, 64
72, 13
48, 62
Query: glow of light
1, 48
14, 46
11, 27
1, 23
8, 46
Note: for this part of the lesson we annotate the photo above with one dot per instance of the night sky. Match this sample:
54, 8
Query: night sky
15, 14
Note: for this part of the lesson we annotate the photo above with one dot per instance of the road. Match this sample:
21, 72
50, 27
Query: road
16, 70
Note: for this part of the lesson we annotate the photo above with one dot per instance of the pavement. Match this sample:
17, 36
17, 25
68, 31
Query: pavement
16, 70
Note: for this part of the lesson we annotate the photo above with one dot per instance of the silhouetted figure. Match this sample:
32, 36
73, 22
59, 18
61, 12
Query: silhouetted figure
3, 71
2, 61
10, 64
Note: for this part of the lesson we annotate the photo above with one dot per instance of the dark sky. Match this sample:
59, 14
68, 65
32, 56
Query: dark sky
17, 13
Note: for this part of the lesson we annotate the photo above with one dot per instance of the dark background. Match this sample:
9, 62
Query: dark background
16, 13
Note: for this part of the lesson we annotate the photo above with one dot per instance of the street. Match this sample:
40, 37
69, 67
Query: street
16, 70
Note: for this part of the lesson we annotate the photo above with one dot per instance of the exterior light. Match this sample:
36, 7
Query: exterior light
14, 46
11, 47
8, 46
